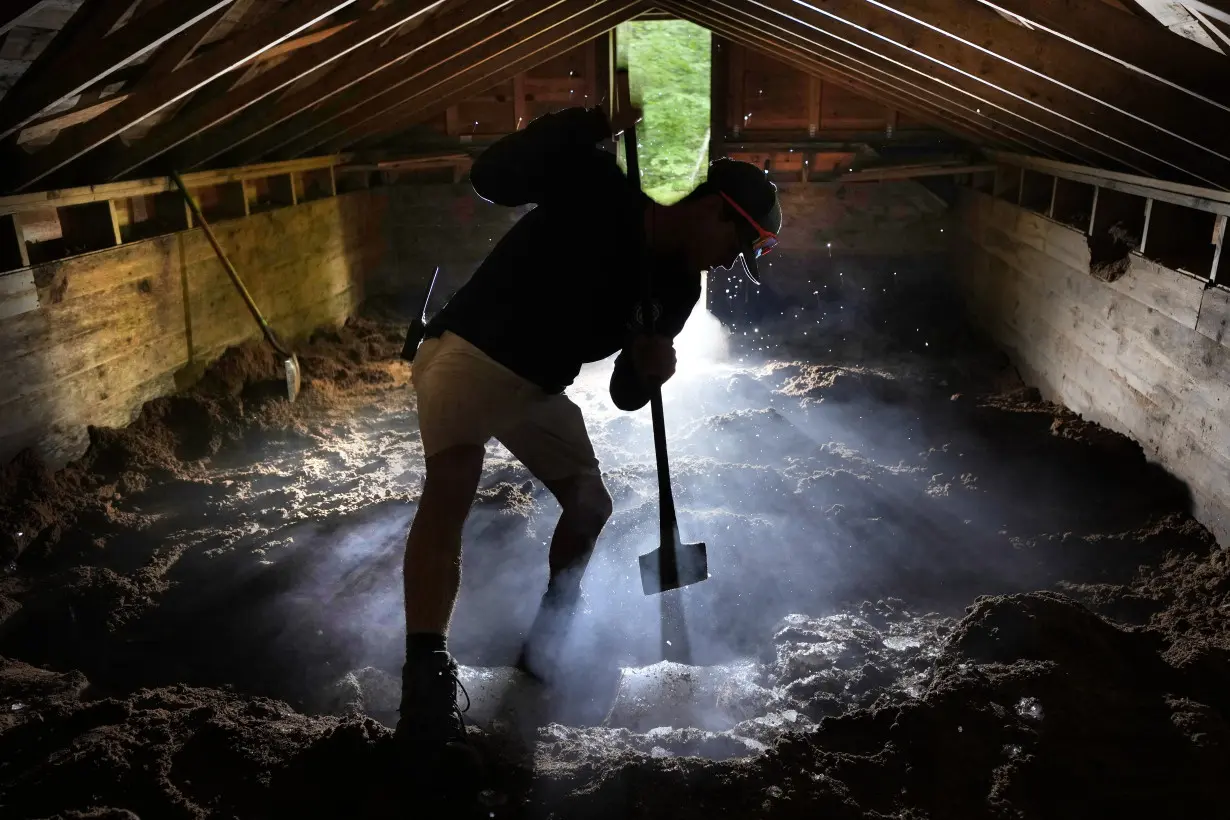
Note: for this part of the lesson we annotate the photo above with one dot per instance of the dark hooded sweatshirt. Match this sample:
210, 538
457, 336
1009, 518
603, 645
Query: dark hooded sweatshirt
565, 285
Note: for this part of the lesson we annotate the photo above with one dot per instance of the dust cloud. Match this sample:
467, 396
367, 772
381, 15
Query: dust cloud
924, 580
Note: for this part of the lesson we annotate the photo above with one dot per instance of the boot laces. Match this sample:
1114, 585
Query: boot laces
453, 672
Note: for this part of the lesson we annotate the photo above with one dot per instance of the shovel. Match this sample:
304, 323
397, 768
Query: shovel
414, 334
673, 564
290, 362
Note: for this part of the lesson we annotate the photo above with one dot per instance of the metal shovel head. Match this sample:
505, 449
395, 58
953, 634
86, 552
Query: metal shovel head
293, 376
691, 566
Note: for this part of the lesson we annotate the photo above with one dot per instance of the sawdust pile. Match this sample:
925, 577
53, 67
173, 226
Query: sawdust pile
1037, 707
142, 643
241, 395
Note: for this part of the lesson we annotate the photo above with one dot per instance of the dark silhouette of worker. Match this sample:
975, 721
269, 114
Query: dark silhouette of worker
566, 286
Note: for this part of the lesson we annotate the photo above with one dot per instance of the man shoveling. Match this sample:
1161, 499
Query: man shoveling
563, 288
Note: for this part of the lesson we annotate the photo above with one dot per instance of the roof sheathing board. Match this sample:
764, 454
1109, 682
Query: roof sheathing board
1098, 115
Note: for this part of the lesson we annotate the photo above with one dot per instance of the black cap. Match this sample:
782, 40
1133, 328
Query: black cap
755, 193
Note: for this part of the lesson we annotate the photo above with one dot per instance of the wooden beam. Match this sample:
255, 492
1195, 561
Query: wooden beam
1178, 19
173, 54
519, 112
51, 125
1219, 240
884, 174
95, 59
1189, 196
815, 87
291, 46
592, 92
82, 33
782, 40
482, 42
255, 134
911, 35
735, 112
1217, 9
576, 22
1129, 41
719, 80
1100, 95
283, 24
1215, 28
42, 200
14, 11
744, 37
789, 43
192, 124
925, 137
603, 46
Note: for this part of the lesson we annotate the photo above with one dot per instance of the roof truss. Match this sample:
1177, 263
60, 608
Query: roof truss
568, 25
1072, 80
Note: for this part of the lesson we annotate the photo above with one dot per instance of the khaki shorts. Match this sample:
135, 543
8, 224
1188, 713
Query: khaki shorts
467, 398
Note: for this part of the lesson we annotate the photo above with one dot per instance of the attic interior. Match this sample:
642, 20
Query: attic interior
961, 457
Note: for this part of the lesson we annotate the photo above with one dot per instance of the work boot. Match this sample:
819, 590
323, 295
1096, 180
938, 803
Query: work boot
431, 731
542, 646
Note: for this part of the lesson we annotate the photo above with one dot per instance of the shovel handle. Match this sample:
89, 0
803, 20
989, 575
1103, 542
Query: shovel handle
230, 269
668, 523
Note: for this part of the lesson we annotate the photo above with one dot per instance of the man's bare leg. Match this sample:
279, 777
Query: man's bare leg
586, 509
432, 576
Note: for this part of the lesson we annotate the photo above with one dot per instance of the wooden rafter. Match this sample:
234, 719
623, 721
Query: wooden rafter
288, 21
774, 48
930, 52
86, 109
876, 79
251, 134
1214, 27
1179, 20
1099, 95
482, 67
14, 11
357, 36
173, 54
1217, 9
521, 54
89, 63
799, 53
423, 51
1130, 41
84, 31
880, 72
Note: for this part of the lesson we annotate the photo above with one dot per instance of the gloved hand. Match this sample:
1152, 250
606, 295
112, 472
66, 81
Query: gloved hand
654, 357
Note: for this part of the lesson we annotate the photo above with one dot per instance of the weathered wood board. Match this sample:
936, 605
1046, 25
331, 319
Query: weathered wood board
1214, 320
1146, 355
87, 340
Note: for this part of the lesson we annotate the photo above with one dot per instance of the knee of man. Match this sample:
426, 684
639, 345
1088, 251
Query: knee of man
591, 500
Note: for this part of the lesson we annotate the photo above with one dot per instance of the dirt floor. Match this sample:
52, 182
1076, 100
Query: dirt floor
933, 595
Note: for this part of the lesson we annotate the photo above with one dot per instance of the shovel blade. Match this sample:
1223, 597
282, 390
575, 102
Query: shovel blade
691, 566
293, 377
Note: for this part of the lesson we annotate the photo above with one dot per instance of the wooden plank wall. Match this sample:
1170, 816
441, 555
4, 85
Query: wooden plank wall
767, 101
88, 339
1147, 355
